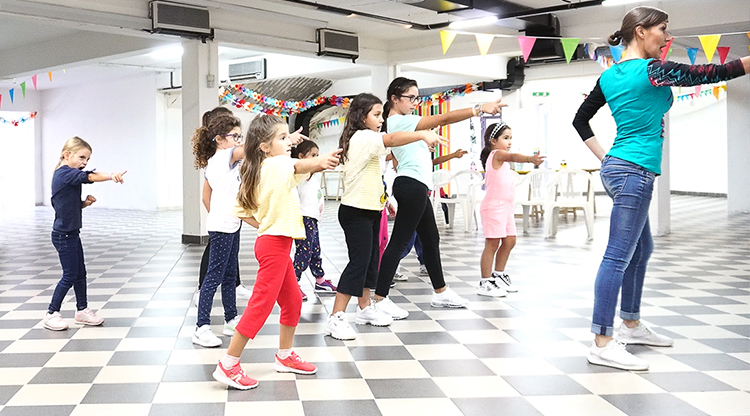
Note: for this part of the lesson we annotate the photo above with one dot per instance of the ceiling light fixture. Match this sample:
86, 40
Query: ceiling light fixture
618, 2
465, 24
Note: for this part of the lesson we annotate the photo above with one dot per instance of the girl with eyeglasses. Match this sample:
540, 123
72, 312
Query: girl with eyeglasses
411, 190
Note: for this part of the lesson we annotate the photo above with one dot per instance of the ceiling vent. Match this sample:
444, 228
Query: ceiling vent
244, 71
180, 19
337, 44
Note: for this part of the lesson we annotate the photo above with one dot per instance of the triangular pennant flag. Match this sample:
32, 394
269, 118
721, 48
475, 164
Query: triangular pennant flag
616, 52
697, 90
709, 43
526, 43
49, 74
716, 92
692, 54
569, 46
748, 36
33, 81
484, 42
23, 89
723, 52
446, 38
1, 100
10, 92
665, 50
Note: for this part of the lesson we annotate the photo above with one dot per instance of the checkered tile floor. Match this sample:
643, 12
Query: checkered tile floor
522, 355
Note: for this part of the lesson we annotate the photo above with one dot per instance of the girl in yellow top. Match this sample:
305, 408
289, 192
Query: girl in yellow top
268, 201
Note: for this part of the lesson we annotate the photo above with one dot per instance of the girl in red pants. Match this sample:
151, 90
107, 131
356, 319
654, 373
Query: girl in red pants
268, 201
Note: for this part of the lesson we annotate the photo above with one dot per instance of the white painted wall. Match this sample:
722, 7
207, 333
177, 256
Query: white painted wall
119, 121
32, 102
17, 170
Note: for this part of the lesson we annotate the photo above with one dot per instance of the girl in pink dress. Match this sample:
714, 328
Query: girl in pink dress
496, 209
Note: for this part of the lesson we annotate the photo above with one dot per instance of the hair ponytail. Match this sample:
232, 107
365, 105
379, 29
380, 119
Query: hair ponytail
643, 16
204, 137
261, 130
355, 120
396, 88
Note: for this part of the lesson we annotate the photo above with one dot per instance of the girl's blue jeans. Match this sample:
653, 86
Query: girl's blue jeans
630, 245
70, 251
223, 266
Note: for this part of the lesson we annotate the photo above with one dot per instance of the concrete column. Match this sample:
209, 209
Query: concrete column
381, 76
200, 69
659, 211
738, 144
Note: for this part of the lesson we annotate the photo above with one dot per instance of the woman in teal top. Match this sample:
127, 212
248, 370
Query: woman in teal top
638, 92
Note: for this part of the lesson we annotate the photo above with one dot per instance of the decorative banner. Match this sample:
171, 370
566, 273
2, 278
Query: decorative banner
697, 90
616, 52
692, 54
526, 43
33, 80
23, 89
569, 46
333, 122
19, 121
665, 50
268, 105
716, 92
445, 96
723, 52
484, 42
701, 93
446, 38
1, 100
10, 92
49, 74
709, 43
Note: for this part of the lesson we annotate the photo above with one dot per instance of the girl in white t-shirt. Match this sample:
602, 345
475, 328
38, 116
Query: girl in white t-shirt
307, 251
217, 149
362, 144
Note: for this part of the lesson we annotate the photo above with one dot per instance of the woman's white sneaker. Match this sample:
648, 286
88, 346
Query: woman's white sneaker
205, 338
615, 355
387, 306
373, 316
490, 287
642, 335
448, 299
54, 322
229, 326
338, 328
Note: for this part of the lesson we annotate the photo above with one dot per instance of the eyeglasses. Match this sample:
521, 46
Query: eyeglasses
235, 136
412, 98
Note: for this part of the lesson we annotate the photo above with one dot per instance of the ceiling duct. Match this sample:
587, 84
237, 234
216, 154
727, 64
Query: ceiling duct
180, 19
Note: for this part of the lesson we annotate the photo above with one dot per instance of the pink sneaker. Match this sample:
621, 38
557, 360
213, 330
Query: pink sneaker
294, 364
88, 317
234, 377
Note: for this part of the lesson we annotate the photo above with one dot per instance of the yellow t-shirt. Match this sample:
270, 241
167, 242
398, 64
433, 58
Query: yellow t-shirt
363, 179
278, 209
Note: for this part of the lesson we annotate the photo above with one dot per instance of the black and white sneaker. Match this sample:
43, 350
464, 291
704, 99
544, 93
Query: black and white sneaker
503, 280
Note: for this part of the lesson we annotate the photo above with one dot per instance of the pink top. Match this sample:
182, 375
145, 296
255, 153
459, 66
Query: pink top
499, 184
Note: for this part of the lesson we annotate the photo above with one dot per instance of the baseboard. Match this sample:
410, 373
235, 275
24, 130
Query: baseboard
706, 194
194, 239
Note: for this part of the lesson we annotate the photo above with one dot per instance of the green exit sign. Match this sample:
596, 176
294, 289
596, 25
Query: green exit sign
540, 94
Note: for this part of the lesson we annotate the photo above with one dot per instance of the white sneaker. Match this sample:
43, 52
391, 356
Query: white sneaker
205, 338
399, 276
389, 308
615, 355
88, 317
229, 326
503, 280
489, 287
423, 270
448, 299
243, 293
642, 335
338, 328
54, 321
373, 316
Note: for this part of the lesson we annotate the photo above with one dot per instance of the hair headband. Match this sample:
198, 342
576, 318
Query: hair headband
499, 126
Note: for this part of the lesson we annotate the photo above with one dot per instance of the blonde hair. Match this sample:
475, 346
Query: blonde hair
72, 146
261, 130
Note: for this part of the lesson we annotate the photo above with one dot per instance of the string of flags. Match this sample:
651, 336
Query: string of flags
332, 122
17, 122
241, 97
22, 85
701, 92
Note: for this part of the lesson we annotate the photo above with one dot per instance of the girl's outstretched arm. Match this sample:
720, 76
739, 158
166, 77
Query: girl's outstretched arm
430, 122
102, 176
503, 156
317, 164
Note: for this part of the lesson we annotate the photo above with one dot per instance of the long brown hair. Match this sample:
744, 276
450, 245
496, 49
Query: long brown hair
397, 87
260, 130
643, 16
355, 120
71, 146
204, 138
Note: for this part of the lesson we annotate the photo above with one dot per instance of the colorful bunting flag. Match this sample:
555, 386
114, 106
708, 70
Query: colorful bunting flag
23, 89
49, 74
484, 42
697, 90
569, 46
665, 50
526, 43
716, 92
1, 100
10, 92
692, 54
723, 52
616, 52
446, 39
709, 43
33, 80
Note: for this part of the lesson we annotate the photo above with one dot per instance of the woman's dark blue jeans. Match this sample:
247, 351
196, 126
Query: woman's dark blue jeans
70, 251
630, 245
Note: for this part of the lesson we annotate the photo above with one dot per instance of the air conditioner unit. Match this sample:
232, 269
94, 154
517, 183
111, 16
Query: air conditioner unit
242, 71
338, 44
180, 19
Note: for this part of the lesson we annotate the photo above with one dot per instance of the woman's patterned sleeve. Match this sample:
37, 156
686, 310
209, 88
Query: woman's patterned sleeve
587, 110
668, 73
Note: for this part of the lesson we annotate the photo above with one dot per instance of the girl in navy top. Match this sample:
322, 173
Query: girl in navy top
66, 200
638, 92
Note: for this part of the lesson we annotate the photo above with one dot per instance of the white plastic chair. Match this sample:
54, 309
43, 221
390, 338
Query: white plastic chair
534, 193
466, 187
441, 178
570, 188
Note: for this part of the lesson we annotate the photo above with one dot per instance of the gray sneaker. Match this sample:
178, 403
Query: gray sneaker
642, 335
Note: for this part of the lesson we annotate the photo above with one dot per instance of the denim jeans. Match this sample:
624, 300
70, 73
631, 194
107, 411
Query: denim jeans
630, 244
416, 243
223, 266
70, 251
